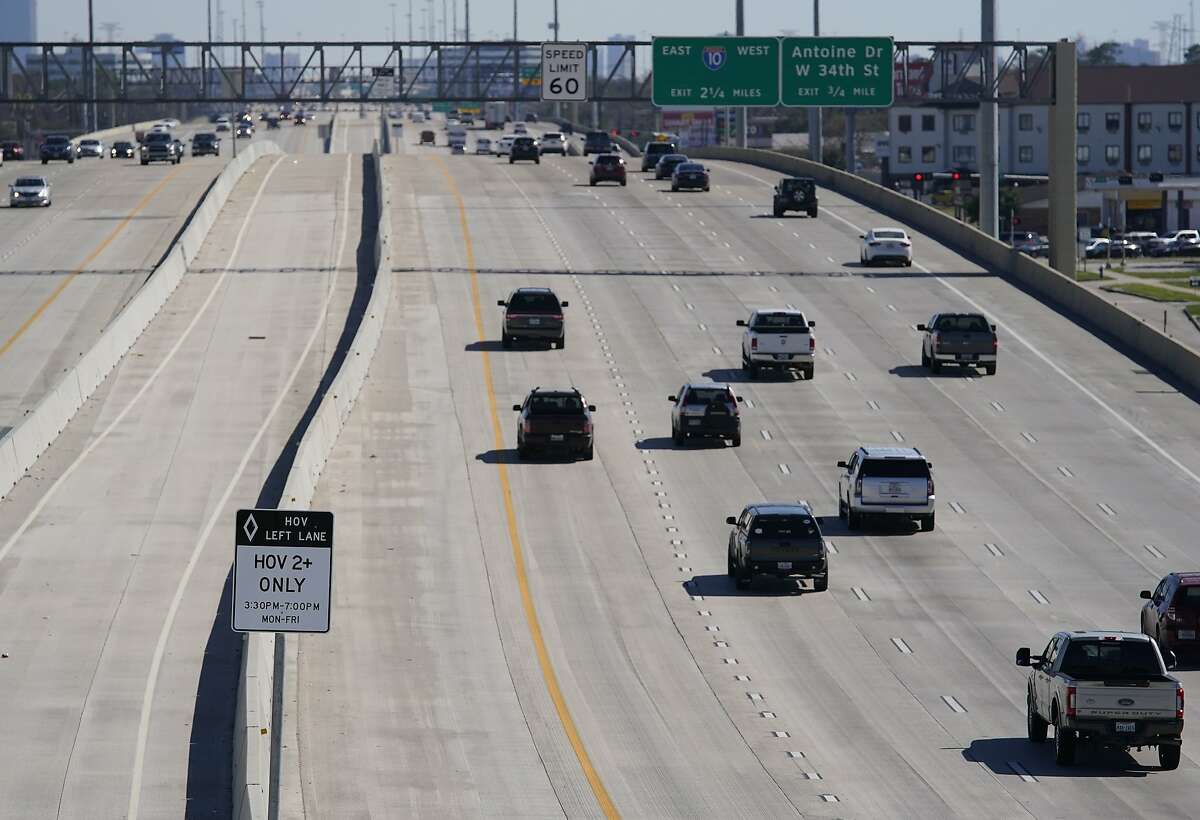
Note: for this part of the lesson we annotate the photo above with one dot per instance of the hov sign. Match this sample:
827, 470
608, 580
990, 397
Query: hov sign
564, 72
282, 570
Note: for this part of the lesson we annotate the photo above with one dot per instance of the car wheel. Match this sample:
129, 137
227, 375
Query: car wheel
592, 182
1035, 727
622, 183
842, 509
754, 371
705, 189
506, 341
927, 522
924, 359
562, 342
742, 577
674, 187
990, 369
934, 365
730, 570
1168, 755
808, 372
853, 519
511, 160
908, 263
676, 437
45, 162
736, 440
812, 214
589, 453
1064, 744
821, 583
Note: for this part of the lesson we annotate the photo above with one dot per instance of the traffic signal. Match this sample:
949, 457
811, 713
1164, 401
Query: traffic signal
956, 176
1156, 176
1016, 220
918, 182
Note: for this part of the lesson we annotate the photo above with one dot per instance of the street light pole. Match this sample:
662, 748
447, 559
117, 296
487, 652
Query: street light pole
393, 5
814, 116
743, 112
90, 78
467, 20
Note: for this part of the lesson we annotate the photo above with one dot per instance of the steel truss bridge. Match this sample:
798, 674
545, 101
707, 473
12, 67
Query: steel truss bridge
427, 71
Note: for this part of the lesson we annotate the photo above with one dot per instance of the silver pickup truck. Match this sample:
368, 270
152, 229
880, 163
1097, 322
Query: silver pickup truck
1107, 688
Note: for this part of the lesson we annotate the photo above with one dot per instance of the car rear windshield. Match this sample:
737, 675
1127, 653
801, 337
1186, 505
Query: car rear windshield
791, 527
780, 323
54, 140
30, 182
533, 303
159, 137
551, 136
89, 142
653, 148
565, 405
1187, 598
895, 468
690, 168
524, 142
704, 395
1107, 660
673, 158
792, 185
205, 138
608, 159
965, 323
889, 234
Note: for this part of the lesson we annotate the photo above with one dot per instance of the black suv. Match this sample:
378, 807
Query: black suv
555, 420
533, 313
705, 410
783, 540
665, 167
796, 194
57, 146
524, 148
206, 143
598, 142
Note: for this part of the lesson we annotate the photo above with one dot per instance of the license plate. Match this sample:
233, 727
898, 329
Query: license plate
784, 565
894, 488
783, 357
556, 437
1126, 726
694, 421
1187, 634
966, 357
535, 321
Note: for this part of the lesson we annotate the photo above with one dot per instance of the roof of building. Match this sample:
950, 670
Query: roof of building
1142, 84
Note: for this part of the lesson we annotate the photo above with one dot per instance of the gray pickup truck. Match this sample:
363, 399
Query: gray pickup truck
781, 540
160, 146
963, 339
1106, 688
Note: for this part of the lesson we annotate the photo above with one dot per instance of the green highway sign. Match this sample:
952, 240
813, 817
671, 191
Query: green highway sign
716, 71
842, 72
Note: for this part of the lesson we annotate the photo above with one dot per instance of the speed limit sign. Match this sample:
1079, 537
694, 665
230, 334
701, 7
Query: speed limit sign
564, 72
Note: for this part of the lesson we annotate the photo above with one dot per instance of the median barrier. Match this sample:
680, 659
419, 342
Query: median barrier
1089, 306
257, 687
26, 442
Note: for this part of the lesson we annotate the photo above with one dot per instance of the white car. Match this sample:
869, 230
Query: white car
223, 123
554, 143
886, 482
886, 245
418, 116
483, 145
27, 191
519, 128
504, 145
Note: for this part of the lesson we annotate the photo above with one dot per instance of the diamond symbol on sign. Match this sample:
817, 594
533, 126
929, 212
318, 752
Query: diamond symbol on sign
250, 527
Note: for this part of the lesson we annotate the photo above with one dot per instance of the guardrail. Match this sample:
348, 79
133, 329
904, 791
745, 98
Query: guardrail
1170, 354
258, 689
26, 442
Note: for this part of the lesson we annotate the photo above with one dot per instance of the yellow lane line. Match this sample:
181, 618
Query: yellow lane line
531, 616
91, 257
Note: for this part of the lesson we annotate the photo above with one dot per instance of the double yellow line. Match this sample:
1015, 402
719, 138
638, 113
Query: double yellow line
531, 616
82, 266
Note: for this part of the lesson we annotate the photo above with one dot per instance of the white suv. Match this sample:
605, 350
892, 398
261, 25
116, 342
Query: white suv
553, 143
895, 482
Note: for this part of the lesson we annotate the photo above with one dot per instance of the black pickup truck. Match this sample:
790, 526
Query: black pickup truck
782, 540
963, 339
554, 421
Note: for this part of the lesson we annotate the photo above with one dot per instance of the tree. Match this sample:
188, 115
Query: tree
1103, 54
1009, 202
1192, 55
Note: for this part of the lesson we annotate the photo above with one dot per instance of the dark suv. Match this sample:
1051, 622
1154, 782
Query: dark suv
705, 410
533, 313
607, 168
665, 166
524, 148
652, 152
597, 142
57, 146
796, 194
206, 143
1171, 615
782, 540
555, 420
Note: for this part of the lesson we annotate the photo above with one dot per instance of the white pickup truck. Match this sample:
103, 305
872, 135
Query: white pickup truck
1106, 688
779, 338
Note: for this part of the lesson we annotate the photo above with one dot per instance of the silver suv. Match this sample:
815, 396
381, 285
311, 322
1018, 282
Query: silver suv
896, 482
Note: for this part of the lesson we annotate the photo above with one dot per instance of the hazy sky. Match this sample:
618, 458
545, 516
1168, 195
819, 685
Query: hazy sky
598, 19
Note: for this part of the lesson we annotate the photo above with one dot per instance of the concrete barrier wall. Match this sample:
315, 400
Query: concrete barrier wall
26, 442
1084, 304
256, 686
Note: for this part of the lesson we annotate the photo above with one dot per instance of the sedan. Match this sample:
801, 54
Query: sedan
689, 176
886, 245
11, 149
27, 191
90, 148
483, 145
122, 150
666, 165
608, 168
503, 145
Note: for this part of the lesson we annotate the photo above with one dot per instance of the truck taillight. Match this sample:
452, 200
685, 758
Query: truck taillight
556, 317
1071, 701
525, 426
937, 342
812, 344
754, 344
1171, 616
995, 343
858, 486
587, 427
929, 486
1179, 703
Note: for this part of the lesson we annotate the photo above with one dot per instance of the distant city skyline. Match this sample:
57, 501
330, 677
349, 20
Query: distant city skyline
492, 19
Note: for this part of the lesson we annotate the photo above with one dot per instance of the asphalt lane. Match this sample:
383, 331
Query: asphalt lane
121, 668
1066, 484
67, 270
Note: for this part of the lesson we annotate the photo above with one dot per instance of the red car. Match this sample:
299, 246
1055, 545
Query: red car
1171, 614
12, 149
608, 168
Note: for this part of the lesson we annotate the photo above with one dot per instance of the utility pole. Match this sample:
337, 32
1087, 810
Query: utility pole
90, 76
210, 21
815, 152
989, 125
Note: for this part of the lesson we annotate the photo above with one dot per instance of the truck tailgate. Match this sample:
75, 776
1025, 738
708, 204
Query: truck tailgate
782, 343
963, 342
1125, 700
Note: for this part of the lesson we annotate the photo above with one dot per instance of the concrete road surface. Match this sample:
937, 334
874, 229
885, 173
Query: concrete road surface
1066, 483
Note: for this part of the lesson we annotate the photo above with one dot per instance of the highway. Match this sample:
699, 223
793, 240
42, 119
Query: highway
550, 639
66, 270
120, 670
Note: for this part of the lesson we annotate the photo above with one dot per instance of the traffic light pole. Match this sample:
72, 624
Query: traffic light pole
989, 126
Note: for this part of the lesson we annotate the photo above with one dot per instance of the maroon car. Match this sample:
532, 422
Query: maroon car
1171, 614
12, 149
608, 168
